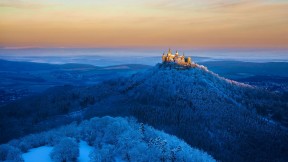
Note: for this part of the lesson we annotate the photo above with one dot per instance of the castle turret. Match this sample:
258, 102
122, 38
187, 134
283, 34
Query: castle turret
176, 54
189, 60
169, 51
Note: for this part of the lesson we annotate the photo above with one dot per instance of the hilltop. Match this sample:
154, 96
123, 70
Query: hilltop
209, 112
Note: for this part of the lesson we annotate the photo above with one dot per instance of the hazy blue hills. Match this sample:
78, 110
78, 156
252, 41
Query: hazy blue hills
248, 68
20, 79
229, 120
18, 66
266, 75
11, 66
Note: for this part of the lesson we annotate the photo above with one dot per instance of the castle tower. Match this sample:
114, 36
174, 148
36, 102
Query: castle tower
189, 60
169, 51
176, 54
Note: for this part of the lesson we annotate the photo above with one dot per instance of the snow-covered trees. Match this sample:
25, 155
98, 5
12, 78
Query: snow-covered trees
130, 141
113, 139
66, 151
9, 153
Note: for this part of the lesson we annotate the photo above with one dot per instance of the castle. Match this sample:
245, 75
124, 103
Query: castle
176, 58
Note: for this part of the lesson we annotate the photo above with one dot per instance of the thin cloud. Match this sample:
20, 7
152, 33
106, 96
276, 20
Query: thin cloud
20, 4
229, 4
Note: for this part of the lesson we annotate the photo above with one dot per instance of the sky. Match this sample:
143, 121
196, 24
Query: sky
144, 24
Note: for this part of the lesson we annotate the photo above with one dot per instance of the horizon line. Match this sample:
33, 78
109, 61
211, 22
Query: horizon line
146, 48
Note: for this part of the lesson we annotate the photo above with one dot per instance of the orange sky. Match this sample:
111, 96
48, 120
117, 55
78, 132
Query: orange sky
135, 23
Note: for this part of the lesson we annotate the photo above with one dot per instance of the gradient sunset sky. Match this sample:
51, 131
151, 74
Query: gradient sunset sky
144, 23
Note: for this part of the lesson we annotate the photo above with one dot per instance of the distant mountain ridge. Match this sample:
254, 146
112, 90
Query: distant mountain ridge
20, 79
6, 65
233, 67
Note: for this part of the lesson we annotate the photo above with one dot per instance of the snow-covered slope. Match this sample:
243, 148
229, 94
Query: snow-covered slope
112, 139
199, 86
42, 154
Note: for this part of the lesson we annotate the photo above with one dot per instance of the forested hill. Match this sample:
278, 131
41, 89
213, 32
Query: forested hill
210, 112
230, 120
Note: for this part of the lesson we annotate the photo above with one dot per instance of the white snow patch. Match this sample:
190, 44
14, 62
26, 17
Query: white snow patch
85, 150
38, 154
43, 153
